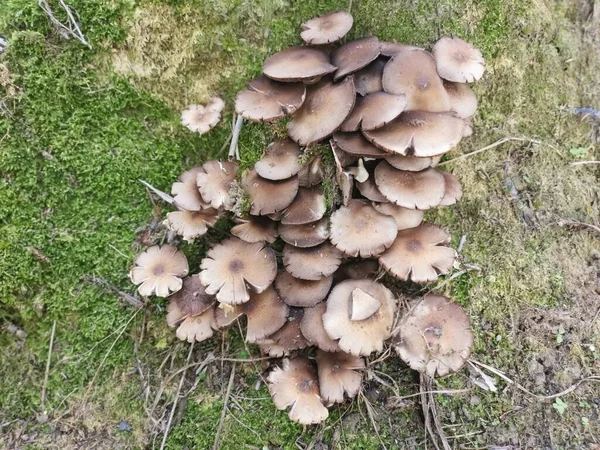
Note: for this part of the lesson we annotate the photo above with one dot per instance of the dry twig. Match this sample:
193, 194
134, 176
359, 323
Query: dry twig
223, 412
494, 145
578, 224
47, 373
163, 195
71, 29
129, 299
581, 163
234, 151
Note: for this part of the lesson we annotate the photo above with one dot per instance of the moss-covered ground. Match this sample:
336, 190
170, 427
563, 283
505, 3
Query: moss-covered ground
80, 126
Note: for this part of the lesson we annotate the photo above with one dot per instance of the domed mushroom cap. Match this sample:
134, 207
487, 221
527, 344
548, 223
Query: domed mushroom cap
359, 230
185, 191
255, 229
412, 163
326, 28
307, 235
233, 265
302, 293
426, 133
281, 160
419, 254
391, 48
374, 111
370, 191
296, 386
457, 60
298, 64
359, 337
192, 224
354, 55
192, 298
405, 218
266, 313
435, 336
197, 328
413, 73
215, 182
260, 190
368, 80
308, 206
414, 190
356, 144
159, 270
200, 119
289, 337
311, 263
267, 100
326, 106
462, 99
452, 190
313, 330
338, 375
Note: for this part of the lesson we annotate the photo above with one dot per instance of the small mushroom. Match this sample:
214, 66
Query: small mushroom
359, 172
356, 144
192, 224
281, 160
359, 230
308, 206
354, 55
452, 190
370, 191
462, 99
261, 192
192, 328
338, 375
307, 235
266, 100
289, 337
159, 270
311, 263
192, 298
326, 28
405, 218
226, 315
200, 119
435, 336
185, 191
412, 163
419, 254
296, 386
215, 104
374, 111
298, 64
457, 60
216, 181
255, 229
231, 266
302, 293
313, 330
266, 313
368, 80
270, 347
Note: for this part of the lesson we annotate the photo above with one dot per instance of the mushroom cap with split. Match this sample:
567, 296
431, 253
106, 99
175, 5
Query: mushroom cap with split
267, 100
311, 263
457, 60
185, 191
302, 293
280, 161
159, 270
298, 64
338, 375
307, 235
261, 192
405, 218
374, 111
192, 298
255, 229
326, 28
215, 183
308, 207
354, 55
192, 224
313, 330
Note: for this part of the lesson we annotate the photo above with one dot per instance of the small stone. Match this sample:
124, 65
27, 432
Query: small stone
475, 400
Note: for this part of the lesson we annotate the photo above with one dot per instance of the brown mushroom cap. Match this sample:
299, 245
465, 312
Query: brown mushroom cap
452, 191
412, 163
225, 315
414, 190
356, 270
281, 160
313, 330
391, 48
311, 263
338, 376
326, 28
197, 328
419, 254
186, 193
405, 218
232, 265
296, 385
269, 347
255, 229
425, 133
307, 235
462, 99
266, 313
368, 80
308, 206
268, 100
326, 106
260, 190
192, 298
435, 336
359, 230
289, 337
302, 293
192, 224
413, 73
457, 60
159, 270
216, 182
356, 144
354, 55
311, 173
369, 190
359, 337
298, 64
374, 111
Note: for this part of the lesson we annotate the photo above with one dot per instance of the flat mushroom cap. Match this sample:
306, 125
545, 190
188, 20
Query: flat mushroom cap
326, 106
435, 336
370, 191
296, 385
267, 100
159, 270
186, 193
216, 182
356, 144
215, 104
289, 337
308, 206
260, 190
452, 191
326, 28
424, 133
311, 263
255, 229
359, 337
412, 163
462, 99
359, 230
192, 298
368, 80
281, 160
374, 111
414, 190
226, 314
419, 254
457, 60
298, 64
391, 48
302, 293
192, 224
197, 328
266, 313
200, 119
405, 218
338, 375
232, 265
354, 55
307, 235
413, 73
313, 330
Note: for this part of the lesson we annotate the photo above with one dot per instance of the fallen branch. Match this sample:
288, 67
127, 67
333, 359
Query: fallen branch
47, 372
72, 29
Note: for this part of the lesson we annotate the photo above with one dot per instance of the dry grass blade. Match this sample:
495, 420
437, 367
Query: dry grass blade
47, 372
166, 197
129, 299
223, 412
72, 29
578, 224
581, 163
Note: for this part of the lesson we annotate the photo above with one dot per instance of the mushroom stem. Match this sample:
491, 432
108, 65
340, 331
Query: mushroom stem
233, 148
166, 197
359, 172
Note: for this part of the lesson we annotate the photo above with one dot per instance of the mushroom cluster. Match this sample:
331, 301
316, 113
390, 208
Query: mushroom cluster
388, 112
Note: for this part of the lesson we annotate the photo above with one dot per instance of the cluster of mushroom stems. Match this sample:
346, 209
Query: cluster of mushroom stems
388, 112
